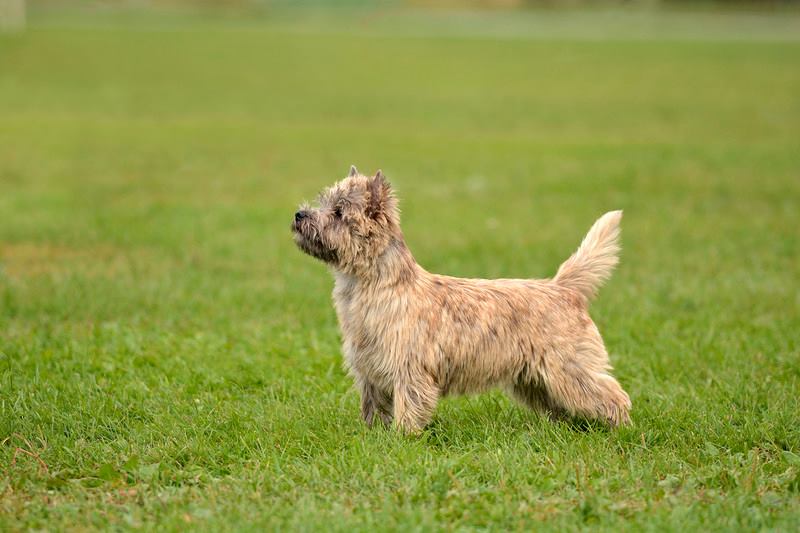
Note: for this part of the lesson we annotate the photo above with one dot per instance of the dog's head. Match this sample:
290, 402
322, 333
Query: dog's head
354, 222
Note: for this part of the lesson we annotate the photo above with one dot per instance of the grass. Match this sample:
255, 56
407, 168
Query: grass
169, 360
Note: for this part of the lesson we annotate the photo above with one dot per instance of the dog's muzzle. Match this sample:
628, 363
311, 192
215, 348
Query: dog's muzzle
298, 219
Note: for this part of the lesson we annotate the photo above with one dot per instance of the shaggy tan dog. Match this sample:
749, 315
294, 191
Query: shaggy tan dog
412, 337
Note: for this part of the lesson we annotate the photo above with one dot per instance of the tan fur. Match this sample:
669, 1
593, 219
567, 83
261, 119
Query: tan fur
411, 337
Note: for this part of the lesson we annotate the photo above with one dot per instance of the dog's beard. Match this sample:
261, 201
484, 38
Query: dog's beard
314, 248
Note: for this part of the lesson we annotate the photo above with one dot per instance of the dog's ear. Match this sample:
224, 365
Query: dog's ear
353, 171
381, 199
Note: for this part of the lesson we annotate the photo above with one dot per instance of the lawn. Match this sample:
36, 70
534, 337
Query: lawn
168, 359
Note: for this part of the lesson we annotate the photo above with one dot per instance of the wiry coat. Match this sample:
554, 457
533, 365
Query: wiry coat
411, 337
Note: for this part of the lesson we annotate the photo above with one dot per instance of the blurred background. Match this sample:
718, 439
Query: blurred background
138, 137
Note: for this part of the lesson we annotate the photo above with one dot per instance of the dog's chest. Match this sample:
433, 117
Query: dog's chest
372, 326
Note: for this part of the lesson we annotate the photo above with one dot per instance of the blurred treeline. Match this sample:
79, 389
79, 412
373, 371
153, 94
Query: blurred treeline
470, 4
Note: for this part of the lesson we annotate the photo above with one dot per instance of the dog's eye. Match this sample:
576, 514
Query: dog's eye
337, 212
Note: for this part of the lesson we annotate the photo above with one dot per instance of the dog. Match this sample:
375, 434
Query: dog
411, 337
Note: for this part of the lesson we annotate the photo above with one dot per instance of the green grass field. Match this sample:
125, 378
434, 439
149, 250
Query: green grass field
168, 359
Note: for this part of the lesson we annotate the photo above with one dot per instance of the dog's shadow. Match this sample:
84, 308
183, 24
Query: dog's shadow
446, 431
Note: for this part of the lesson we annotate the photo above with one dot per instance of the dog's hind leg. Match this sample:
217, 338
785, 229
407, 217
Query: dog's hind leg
535, 397
581, 385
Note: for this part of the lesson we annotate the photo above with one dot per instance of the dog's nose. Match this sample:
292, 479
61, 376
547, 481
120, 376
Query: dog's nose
300, 215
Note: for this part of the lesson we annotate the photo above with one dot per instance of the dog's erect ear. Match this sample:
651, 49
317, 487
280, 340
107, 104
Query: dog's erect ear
380, 196
353, 171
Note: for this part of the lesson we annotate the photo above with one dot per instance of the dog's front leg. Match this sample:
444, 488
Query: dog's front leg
374, 401
415, 399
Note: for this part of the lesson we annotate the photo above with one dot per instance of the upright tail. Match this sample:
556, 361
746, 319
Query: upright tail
587, 269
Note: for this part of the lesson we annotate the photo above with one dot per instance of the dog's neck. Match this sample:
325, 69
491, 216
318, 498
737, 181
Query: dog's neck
393, 267
396, 265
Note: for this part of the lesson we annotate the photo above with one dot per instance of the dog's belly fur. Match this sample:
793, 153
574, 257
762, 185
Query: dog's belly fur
466, 335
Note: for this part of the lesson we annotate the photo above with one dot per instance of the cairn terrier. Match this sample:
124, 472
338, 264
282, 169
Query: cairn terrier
411, 337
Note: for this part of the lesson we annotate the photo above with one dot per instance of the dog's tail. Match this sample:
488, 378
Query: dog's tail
587, 269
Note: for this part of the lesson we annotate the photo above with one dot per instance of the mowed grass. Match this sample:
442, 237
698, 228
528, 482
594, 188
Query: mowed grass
168, 359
